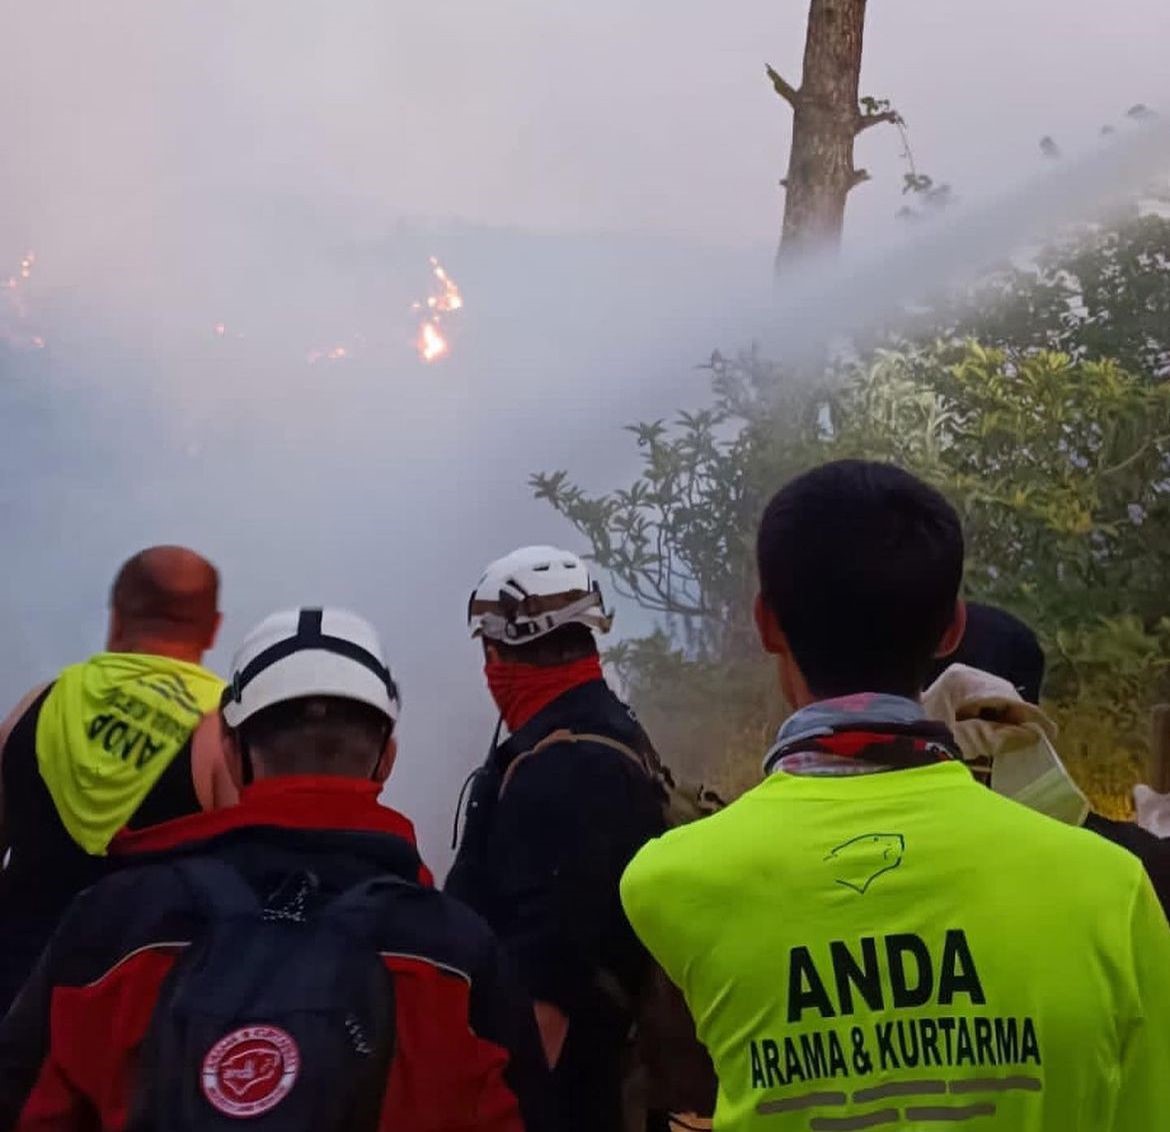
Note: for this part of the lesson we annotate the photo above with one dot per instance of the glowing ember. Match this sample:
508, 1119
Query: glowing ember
14, 308
445, 297
431, 344
450, 299
333, 354
15, 283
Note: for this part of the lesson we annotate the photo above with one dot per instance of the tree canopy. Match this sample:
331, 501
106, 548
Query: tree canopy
1041, 413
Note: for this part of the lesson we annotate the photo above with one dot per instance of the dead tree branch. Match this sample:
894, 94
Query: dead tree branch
865, 121
783, 87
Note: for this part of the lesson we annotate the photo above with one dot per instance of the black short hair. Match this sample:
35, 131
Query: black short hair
562, 646
317, 735
1000, 643
860, 563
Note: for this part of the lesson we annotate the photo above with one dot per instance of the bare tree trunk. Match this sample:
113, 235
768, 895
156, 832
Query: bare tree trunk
827, 117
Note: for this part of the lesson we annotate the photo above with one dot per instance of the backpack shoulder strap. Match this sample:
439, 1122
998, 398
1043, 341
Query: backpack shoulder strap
564, 735
616, 745
218, 888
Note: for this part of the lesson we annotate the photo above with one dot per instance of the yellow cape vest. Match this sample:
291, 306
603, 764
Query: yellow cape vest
907, 950
107, 731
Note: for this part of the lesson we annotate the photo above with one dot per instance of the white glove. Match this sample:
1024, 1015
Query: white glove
995, 726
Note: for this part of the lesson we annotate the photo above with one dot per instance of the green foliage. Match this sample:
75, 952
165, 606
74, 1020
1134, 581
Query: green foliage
714, 716
1101, 292
1039, 406
875, 107
934, 197
678, 540
1109, 672
1108, 675
1059, 466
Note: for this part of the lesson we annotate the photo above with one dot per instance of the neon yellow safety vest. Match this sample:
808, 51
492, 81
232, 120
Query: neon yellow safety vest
107, 731
907, 950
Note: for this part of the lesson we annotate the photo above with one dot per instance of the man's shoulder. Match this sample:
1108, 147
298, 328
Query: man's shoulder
1041, 835
436, 913
27, 703
147, 904
568, 785
582, 760
683, 854
128, 911
706, 840
137, 891
1014, 848
677, 890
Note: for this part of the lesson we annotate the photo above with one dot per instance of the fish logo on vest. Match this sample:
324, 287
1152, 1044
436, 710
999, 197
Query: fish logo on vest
251, 1070
858, 862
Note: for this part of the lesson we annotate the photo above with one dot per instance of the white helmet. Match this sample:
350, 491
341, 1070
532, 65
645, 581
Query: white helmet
309, 652
531, 592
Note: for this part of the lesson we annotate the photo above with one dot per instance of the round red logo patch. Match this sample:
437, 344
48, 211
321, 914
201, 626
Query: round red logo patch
251, 1070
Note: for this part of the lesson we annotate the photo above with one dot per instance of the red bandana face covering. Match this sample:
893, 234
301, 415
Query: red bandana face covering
521, 690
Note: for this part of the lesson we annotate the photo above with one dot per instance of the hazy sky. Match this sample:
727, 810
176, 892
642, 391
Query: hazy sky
644, 116
176, 164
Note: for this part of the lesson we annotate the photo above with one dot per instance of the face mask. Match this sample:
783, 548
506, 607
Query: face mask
522, 690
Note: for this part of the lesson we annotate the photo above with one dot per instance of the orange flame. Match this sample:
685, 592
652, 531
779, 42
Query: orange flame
431, 343
450, 299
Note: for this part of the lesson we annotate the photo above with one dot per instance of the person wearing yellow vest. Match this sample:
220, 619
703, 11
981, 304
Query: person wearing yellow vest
870, 938
124, 740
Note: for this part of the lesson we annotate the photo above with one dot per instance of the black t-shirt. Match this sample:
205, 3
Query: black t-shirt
542, 864
46, 868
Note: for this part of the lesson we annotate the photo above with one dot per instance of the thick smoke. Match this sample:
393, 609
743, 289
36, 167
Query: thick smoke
264, 167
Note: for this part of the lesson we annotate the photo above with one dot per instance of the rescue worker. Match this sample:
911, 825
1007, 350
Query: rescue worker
554, 816
996, 641
108, 744
285, 956
986, 720
870, 938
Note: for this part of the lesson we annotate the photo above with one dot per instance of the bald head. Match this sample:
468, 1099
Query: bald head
165, 600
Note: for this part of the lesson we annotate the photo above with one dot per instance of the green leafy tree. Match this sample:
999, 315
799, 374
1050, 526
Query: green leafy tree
1059, 466
1056, 466
1101, 292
